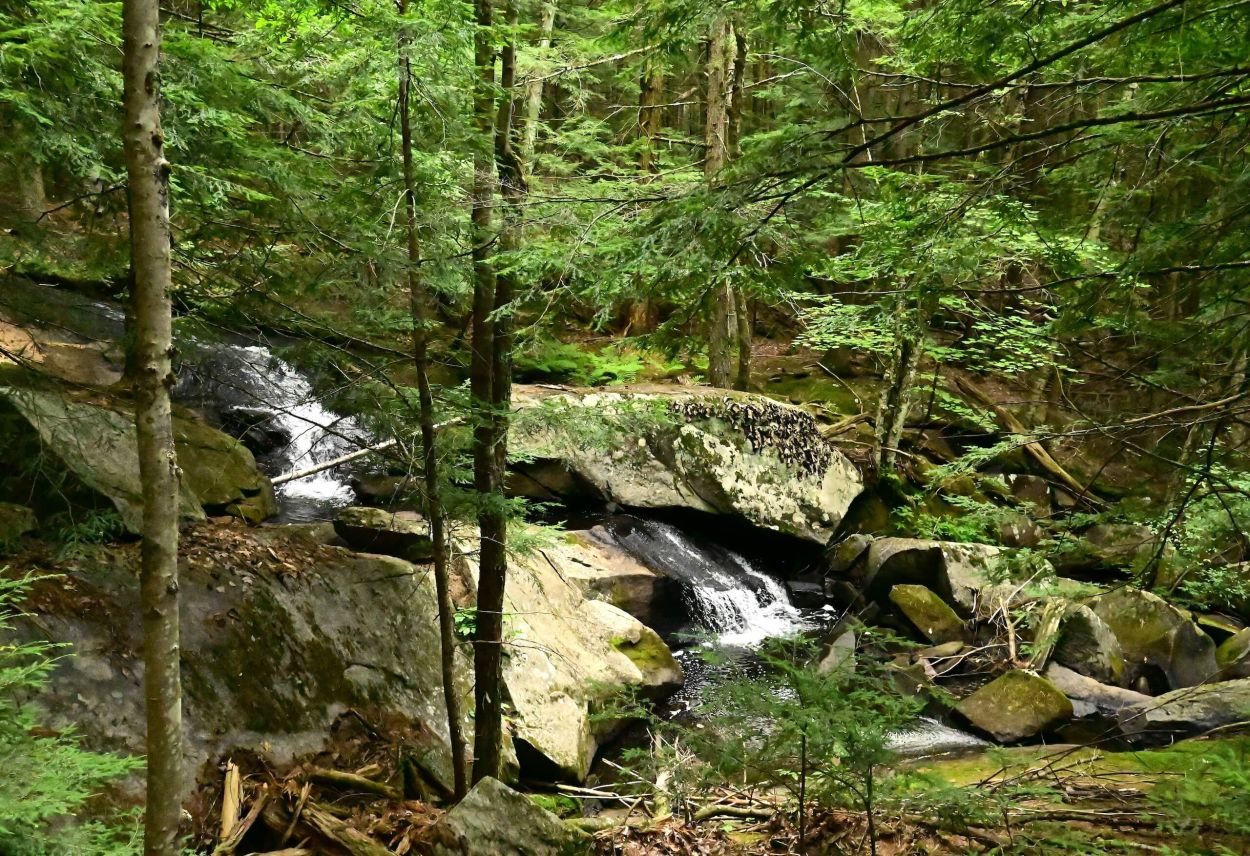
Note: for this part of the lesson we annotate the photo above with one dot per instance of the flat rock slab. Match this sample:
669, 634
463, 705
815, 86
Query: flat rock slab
928, 613
1189, 711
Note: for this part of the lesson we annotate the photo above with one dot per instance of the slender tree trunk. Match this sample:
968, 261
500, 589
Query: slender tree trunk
742, 313
534, 89
724, 325
152, 342
429, 441
644, 314
491, 384
896, 389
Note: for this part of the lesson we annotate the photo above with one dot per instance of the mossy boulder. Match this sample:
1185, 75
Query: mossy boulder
1016, 706
1157, 637
404, 534
708, 450
494, 820
1233, 655
928, 613
94, 438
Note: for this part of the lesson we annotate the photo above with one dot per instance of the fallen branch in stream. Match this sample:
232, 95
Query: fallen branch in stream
295, 475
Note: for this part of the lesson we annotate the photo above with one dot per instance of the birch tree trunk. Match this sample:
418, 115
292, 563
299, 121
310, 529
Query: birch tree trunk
151, 337
429, 438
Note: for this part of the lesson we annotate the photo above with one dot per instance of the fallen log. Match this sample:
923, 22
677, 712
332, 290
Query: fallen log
314, 820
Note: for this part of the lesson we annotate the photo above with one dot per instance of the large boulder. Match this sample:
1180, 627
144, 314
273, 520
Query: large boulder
494, 820
1113, 547
1189, 711
1155, 635
567, 655
708, 450
94, 437
282, 638
1015, 706
963, 574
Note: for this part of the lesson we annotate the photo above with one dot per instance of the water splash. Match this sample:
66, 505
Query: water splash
253, 390
730, 600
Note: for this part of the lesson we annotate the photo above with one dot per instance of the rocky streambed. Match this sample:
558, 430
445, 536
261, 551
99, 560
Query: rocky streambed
297, 633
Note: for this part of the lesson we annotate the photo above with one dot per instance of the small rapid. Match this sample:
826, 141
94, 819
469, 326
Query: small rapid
273, 408
730, 602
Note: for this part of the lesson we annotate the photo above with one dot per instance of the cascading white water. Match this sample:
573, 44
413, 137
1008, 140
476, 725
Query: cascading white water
730, 600
253, 389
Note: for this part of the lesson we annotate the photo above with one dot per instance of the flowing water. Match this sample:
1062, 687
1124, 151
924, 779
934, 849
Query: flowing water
265, 400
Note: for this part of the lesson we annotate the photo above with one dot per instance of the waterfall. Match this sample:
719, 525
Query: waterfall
265, 400
728, 598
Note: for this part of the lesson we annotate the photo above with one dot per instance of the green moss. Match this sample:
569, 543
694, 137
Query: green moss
928, 612
560, 806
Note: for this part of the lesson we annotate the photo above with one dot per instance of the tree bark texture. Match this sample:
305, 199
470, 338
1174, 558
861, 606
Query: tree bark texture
152, 343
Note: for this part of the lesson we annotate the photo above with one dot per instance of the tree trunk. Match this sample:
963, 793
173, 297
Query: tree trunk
429, 441
534, 89
151, 337
644, 314
742, 314
491, 385
724, 325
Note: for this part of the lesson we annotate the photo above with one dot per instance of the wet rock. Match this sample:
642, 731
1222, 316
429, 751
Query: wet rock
1189, 711
1090, 697
1086, 644
1156, 635
960, 573
403, 534
1016, 706
387, 491
15, 521
494, 820
725, 453
1233, 655
806, 593
928, 613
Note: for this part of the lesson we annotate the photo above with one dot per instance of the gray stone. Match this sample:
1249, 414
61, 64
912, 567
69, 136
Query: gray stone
708, 450
1090, 697
1086, 644
1189, 711
603, 571
403, 534
841, 654
1032, 491
1155, 634
567, 655
843, 556
494, 820
1015, 706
